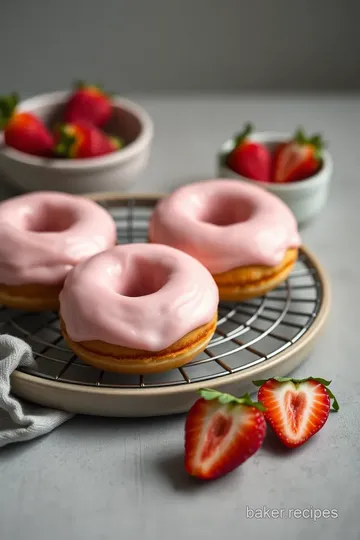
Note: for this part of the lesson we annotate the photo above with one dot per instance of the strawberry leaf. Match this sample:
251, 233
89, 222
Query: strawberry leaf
8, 105
117, 142
83, 85
315, 141
223, 398
335, 404
300, 136
241, 137
80, 85
324, 382
66, 141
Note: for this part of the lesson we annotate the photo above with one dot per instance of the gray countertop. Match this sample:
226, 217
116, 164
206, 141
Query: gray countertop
104, 479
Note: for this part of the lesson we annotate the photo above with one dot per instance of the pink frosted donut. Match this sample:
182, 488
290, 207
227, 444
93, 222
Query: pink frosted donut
140, 296
225, 224
43, 235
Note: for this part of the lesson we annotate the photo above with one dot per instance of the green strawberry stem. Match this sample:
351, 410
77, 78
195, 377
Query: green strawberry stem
241, 137
117, 142
83, 85
296, 382
224, 399
66, 140
236, 141
8, 105
316, 141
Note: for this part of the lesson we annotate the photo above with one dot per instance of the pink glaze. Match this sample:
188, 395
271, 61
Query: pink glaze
225, 224
44, 235
142, 296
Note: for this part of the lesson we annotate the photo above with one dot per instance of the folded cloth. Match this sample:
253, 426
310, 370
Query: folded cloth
19, 420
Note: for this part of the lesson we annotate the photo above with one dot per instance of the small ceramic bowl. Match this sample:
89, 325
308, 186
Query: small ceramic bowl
305, 198
112, 172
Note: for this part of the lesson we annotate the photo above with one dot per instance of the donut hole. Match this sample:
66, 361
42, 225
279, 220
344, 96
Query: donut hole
223, 211
50, 219
144, 278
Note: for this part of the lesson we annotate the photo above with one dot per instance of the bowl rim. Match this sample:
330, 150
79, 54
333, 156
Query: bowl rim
277, 137
56, 98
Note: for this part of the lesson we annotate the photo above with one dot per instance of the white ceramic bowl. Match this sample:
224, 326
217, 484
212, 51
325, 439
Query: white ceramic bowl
112, 172
305, 198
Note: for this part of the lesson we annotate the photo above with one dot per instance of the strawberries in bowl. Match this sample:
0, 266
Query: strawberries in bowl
295, 158
300, 168
108, 158
85, 113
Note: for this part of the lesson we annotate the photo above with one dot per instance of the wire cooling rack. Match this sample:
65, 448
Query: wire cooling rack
250, 338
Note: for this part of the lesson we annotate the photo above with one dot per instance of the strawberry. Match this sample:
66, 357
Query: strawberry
82, 140
296, 409
88, 103
249, 158
297, 159
23, 130
221, 432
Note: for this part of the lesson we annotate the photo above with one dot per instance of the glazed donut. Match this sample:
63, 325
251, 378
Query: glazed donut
138, 308
43, 235
245, 236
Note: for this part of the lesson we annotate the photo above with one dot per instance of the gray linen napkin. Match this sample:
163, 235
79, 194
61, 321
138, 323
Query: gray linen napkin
19, 420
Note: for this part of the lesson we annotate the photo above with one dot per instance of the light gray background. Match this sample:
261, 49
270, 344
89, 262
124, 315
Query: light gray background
105, 479
114, 479
174, 45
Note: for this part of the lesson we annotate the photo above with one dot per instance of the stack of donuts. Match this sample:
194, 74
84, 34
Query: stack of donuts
150, 307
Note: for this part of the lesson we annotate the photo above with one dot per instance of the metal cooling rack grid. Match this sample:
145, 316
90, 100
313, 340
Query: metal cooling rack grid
247, 333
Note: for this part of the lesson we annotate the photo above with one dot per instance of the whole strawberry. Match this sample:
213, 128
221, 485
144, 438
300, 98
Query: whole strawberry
81, 140
297, 159
23, 130
296, 409
221, 432
250, 158
89, 104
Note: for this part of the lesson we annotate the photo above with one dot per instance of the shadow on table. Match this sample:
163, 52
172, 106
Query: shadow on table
171, 468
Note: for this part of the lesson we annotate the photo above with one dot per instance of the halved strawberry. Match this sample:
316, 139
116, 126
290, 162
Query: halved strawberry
296, 409
221, 432
297, 159
249, 158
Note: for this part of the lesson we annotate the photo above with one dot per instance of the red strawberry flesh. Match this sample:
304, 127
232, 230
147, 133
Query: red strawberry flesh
295, 410
297, 159
219, 428
221, 436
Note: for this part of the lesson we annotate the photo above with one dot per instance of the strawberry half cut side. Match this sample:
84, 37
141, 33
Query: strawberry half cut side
297, 159
296, 409
222, 432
